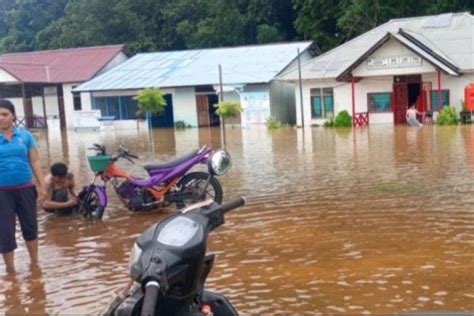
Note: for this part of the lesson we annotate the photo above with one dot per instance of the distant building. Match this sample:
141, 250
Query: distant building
190, 81
40, 83
424, 60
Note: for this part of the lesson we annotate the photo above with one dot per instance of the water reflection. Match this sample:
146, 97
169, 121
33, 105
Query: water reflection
371, 220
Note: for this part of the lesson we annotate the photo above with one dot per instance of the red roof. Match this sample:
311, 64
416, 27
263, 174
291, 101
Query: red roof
59, 66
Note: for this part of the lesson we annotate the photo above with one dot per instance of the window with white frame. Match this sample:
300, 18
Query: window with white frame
322, 103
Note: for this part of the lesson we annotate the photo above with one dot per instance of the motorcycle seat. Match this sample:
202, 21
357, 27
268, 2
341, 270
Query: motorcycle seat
171, 163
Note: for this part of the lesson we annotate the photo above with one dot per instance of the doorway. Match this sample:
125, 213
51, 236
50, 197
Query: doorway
405, 92
206, 112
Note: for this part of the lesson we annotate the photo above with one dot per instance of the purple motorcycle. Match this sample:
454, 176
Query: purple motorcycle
168, 182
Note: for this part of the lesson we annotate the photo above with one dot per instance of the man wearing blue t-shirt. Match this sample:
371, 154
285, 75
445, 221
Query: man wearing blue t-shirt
18, 194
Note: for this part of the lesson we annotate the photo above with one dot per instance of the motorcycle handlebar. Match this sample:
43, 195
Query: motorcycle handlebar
151, 295
232, 204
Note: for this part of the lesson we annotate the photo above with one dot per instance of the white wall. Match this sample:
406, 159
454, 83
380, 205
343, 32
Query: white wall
86, 101
18, 103
184, 106
6, 77
69, 104
454, 84
392, 48
343, 95
282, 101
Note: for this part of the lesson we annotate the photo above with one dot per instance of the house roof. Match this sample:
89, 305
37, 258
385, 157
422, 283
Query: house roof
240, 65
59, 66
446, 41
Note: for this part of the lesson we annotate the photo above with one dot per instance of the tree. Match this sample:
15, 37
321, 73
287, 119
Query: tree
226, 110
150, 101
317, 20
24, 19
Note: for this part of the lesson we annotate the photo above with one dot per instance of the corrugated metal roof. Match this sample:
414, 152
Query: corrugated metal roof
424, 54
59, 66
240, 65
453, 40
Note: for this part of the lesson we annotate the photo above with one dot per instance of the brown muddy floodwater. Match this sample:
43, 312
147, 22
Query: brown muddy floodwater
375, 220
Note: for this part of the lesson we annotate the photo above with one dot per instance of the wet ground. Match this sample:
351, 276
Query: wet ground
376, 220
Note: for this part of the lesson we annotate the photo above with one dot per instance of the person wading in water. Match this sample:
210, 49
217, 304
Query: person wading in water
18, 162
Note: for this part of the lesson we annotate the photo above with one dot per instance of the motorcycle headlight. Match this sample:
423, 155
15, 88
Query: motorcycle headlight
220, 162
134, 256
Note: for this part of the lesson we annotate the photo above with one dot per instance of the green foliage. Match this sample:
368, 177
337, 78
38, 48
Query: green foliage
228, 109
151, 25
181, 125
343, 119
329, 122
272, 123
150, 100
447, 116
267, 34
463, 105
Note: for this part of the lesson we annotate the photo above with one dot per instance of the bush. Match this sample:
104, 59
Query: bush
447, 116
343, 119
228, 109
329, 123
181, 125
272, 123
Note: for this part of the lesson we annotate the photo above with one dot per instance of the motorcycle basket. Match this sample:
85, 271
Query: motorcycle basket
98, 163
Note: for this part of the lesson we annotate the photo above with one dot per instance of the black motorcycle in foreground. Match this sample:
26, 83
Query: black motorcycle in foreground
169, 265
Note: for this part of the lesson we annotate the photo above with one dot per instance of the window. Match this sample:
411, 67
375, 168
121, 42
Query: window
76, 99
123, 108
322, 103
379, 102
434, 99
100, 104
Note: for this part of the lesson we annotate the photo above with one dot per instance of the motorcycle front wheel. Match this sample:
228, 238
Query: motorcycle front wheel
193, 183
89, 204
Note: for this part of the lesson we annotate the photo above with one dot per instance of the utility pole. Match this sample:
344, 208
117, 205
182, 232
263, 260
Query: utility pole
221, 98
301, 88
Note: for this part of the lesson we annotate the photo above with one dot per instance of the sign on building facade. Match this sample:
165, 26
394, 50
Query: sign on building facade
393, 62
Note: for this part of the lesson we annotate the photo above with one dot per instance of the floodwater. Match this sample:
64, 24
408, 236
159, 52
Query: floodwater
375, 220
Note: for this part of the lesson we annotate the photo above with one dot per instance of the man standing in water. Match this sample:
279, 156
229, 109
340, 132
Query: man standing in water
18, 162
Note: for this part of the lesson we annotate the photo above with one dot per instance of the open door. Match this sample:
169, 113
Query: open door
202, 104
399, 102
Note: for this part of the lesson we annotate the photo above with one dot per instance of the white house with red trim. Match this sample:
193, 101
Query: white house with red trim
425, 60
40, 83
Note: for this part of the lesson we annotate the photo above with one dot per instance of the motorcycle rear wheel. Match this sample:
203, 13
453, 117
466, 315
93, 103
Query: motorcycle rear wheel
89, 204
195, 181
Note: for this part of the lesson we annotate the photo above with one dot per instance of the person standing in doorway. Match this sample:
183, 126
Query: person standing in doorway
19, 161
411, 116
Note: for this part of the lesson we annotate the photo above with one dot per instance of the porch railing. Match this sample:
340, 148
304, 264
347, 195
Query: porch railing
360, 119
38, 121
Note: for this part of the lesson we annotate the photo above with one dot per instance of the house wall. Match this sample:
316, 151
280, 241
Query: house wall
282, 102
255, 101
392, 48
454, 84
343, 95
86, 101
69, 104
6, 77
184, 106
18, 103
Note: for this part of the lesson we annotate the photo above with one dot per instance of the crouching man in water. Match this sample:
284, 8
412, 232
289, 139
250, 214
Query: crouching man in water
61, 198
